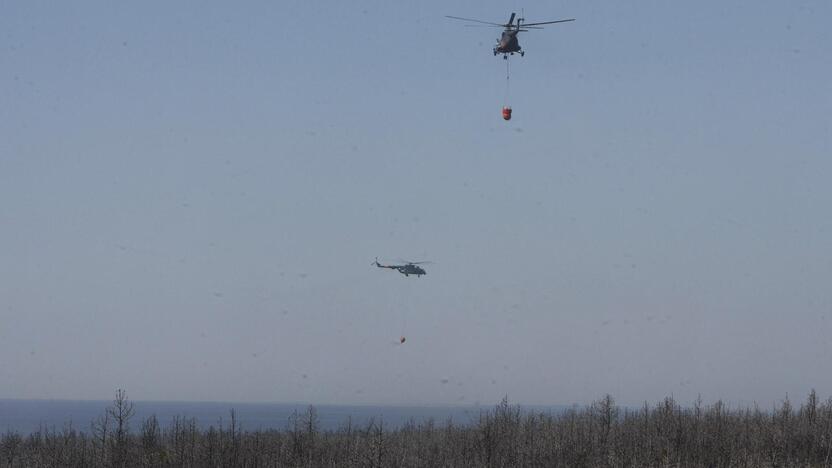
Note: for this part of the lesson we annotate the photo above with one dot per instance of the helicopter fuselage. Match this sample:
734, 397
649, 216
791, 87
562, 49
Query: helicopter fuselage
507, 43
409, 269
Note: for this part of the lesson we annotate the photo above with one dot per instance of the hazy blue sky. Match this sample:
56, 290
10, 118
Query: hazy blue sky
191, 194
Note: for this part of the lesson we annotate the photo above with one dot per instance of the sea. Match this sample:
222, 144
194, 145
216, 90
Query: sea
27, 416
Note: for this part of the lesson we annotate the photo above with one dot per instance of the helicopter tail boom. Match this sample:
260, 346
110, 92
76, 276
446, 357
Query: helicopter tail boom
376, 263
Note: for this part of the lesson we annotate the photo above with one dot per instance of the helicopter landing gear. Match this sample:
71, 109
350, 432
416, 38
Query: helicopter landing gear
505, 57
523, 53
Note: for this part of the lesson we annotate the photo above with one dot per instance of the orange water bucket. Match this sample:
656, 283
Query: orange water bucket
506, 113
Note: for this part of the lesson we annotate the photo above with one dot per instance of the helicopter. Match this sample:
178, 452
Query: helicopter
409, 268
508, 44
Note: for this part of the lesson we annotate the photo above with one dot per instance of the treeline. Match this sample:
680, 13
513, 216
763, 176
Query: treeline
598, 435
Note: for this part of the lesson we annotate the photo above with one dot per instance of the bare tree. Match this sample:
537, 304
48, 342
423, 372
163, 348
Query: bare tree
121, 412
151, 441
100, 429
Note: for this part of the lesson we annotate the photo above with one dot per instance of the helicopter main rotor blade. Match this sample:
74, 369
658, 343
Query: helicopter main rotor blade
408, 262
484, 26
475, 21
548, 22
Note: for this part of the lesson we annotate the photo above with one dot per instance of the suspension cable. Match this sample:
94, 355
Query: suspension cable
505, 99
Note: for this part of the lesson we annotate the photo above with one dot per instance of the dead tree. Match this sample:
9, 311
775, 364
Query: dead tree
121, 412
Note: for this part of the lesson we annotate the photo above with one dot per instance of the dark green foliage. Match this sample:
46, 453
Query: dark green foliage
600, 435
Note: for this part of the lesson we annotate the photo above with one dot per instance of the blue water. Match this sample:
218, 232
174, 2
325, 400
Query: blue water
26, 416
